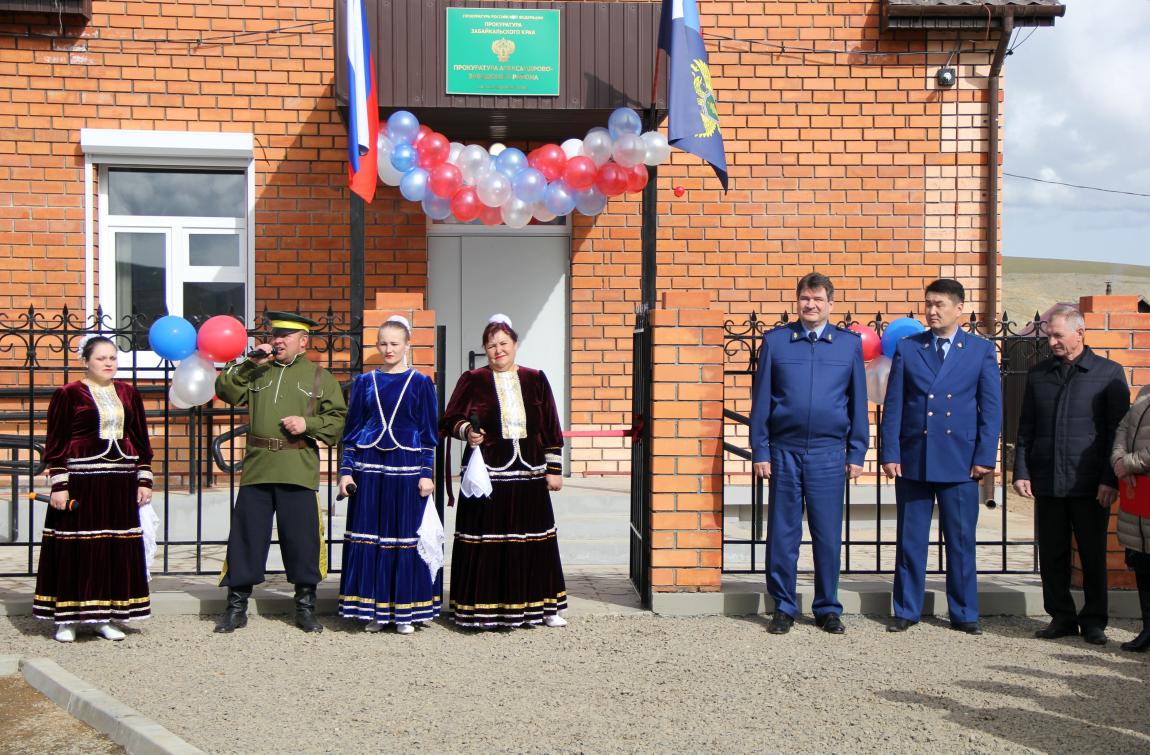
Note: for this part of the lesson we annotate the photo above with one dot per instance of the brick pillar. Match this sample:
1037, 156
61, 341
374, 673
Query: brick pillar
422, 351
687, 444
1116, 329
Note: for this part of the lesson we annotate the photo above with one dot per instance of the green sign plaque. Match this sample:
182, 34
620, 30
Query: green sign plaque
503, 52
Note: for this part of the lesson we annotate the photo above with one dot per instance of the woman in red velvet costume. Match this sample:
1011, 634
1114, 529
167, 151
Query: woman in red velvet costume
92, 567
505, 567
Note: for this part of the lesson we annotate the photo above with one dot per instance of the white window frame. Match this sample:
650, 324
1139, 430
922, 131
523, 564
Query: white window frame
120, 148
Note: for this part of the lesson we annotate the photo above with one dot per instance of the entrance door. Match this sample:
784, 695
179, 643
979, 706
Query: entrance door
475, 273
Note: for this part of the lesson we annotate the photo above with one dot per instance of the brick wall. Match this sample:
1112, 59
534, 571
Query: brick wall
851, 164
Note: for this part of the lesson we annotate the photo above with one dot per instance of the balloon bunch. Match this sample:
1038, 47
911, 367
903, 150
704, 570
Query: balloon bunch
501, 184
878, 351
221, 339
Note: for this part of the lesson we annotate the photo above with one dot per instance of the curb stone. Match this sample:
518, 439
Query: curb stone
9, 665
127, 727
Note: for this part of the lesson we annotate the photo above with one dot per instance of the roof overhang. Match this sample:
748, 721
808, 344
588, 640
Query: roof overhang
966, 14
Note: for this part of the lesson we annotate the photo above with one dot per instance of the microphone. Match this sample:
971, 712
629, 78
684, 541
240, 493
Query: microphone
351, 488
261, 354
473, 418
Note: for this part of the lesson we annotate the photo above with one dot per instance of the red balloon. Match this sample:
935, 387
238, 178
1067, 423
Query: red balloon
433, 149
490, 215
871, 343
550, 160
466, 205
637, 177
424, 130
222, 338
611, 179
580, 173
680, 191
444, 179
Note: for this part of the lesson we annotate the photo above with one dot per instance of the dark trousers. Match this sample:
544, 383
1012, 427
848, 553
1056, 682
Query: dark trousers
296, 511
1056, 519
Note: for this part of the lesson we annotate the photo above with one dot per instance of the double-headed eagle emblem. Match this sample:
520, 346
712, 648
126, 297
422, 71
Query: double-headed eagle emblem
705, 97
503, 48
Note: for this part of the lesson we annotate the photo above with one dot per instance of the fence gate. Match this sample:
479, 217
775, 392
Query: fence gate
640, 537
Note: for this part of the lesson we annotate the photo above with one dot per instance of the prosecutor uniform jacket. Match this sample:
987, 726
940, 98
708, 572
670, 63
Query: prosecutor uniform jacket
939, 420
272, 391
1066, 431
810, 396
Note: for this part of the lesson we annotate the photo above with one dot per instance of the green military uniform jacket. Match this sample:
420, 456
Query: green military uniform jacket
272, 391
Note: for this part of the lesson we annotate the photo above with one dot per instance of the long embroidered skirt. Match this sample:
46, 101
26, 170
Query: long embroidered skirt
505, 566
384, 578
92, 558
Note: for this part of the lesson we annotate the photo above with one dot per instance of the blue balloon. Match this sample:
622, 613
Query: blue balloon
559, 198
436, 207
624, 121
529, 185
413, 185
898, 330
404, 157
590, 201
402, 127
510, 161
173, 338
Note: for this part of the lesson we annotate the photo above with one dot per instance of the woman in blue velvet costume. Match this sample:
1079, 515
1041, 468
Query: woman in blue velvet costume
389, 576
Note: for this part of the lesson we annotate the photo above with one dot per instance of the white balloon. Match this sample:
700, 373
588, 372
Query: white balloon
572, 148
453, 155
629, 150
471, 159
658, 149
877, 374
194, 380
541, 213
177, 402
516, 213
494, 189
598, 145
496, 148
387, 172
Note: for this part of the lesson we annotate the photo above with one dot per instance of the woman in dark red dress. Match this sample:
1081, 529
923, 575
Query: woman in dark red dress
92, 568
505, 567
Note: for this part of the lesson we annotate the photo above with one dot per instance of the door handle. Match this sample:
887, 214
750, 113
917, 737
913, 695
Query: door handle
471, 358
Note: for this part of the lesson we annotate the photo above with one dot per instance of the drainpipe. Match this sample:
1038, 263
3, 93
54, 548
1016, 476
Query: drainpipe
994, 87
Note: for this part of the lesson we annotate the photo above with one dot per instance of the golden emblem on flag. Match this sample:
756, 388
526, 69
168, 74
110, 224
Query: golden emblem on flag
705, 98
503, 48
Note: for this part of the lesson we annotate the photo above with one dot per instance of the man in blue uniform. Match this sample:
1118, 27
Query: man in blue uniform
809, 431
940, 425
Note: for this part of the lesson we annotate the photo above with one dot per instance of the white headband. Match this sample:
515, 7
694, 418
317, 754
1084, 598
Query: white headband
399, 320
84, 342
501, 319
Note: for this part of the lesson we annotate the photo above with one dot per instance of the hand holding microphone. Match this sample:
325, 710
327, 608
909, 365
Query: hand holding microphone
262, 352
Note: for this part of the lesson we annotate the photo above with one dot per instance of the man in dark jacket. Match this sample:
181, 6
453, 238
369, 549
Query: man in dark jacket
1070, 413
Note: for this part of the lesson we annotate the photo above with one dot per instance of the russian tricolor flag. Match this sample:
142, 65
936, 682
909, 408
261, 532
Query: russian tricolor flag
363, 103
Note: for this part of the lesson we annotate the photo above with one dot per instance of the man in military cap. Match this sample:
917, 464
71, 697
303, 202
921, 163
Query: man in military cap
809, 434
292, 403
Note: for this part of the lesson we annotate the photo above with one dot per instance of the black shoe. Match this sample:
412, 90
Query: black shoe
1094, 635
1054, 630
236, 615
780, 623
1139, 644
899, 625
305, 609
830, 623
970, 627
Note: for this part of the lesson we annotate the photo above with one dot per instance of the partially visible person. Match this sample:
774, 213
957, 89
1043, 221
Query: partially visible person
92, 569
941, 418
1130, 458
809, 433
293, 404
1070, 413
387, 473
505, 566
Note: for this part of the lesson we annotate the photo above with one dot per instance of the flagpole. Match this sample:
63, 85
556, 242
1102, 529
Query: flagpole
649, 230
357, 273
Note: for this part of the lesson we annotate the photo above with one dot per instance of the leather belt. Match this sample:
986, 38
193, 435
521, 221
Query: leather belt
274, 444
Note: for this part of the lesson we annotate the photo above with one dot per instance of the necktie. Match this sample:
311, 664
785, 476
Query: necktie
813, 336
942, 342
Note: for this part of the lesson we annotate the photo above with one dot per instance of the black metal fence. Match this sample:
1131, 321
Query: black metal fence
869, 540
640, 533
196, 462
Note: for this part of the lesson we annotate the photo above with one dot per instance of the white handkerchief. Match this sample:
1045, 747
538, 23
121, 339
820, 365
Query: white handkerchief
150, 524
476, 482
430, 545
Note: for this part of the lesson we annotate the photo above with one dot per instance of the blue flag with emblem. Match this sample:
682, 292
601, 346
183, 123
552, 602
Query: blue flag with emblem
693, 114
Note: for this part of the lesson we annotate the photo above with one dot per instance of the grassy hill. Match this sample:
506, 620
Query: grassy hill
1032, 285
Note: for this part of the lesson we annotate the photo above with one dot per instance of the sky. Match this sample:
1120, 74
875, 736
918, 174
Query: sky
1077, 110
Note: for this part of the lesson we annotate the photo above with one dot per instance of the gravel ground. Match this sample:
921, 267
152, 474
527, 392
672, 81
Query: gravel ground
610, 683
